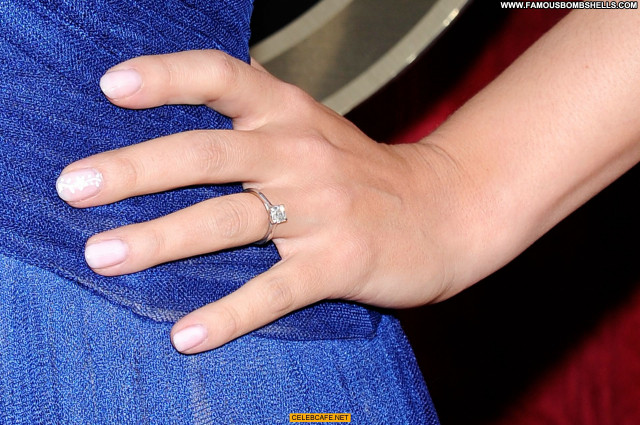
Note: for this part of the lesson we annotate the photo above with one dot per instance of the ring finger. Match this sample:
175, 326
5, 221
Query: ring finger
211, 225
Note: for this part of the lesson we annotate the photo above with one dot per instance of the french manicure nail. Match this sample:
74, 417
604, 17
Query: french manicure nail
105, 254
119, 84
79, 184
189, 337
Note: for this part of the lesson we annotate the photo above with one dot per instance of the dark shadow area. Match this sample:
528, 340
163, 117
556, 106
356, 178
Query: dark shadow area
271, 15
431, 76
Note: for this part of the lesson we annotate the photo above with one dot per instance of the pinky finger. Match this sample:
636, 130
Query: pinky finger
287, 286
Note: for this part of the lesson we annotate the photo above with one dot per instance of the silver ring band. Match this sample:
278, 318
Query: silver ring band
277, 215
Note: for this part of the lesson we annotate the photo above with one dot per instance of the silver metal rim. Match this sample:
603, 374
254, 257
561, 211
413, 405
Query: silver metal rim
277, 215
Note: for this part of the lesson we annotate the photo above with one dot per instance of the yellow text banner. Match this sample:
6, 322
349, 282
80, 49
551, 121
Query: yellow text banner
320, 417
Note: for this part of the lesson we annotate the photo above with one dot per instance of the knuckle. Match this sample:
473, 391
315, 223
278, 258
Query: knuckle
208, 154
232, 322
299, 103
131, 170
313, 152
340, 198
312, 146
279, 296
231, 219
223, 68
156, 243
296, 96
171, 72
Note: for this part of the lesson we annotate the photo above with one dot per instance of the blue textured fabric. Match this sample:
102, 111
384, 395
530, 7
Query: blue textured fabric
76, 347
52, 113
69, 356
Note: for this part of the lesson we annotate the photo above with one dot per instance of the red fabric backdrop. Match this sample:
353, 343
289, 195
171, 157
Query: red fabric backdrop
554, 337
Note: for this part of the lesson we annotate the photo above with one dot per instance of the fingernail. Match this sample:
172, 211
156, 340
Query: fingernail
119, 84
105, 254
79, 184
189, 337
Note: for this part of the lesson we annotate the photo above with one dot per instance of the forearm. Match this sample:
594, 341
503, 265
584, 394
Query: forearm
554, 129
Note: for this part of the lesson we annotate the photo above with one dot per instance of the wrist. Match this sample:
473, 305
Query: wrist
480, 227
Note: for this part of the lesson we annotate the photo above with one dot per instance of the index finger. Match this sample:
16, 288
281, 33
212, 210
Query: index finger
198, 77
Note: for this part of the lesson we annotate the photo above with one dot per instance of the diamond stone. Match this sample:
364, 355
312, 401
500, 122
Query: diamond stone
277, 214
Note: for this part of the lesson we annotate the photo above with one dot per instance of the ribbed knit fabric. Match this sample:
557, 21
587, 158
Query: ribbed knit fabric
76, 347
69, 356
53, 113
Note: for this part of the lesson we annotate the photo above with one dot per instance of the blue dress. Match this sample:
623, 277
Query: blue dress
76, 347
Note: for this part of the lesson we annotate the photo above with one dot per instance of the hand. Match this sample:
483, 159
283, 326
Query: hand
367, 222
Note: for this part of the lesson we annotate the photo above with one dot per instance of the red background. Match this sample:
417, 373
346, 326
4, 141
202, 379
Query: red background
553, 337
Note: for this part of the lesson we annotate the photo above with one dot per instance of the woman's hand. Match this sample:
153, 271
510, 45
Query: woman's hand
366, 222
393, 226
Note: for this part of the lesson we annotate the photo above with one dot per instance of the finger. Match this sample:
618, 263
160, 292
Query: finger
178, 160
211, 225
287, 286
199, 77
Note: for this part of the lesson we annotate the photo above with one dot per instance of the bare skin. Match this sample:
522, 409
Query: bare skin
409, 224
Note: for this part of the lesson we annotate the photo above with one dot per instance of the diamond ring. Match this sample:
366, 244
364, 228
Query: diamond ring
277, 215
